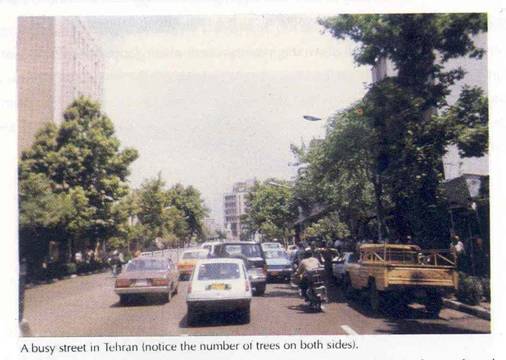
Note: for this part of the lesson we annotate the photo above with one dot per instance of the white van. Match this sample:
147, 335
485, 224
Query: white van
210, 245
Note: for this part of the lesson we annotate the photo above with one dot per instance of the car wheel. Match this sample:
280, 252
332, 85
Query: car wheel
349, 292
374, 297
168, 297
259, 289
191, 317
434, 304
245, 315
176, 289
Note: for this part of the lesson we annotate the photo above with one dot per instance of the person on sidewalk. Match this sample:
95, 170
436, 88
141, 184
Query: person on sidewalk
458, 250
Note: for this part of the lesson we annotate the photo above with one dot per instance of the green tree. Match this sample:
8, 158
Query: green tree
271, 210
338, 172
401, 108
84, 168
157, 215
189, 202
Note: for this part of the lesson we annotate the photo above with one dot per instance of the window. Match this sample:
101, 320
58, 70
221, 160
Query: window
248, 250
148, 265
218, 271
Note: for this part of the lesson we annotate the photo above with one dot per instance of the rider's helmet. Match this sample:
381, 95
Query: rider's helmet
308, 253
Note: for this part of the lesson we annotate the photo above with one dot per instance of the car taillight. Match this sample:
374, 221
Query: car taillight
160, 282
122, 282
247, 285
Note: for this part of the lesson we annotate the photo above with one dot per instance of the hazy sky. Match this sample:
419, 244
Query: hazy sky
210, 101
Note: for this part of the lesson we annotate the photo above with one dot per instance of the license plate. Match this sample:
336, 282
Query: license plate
274, 273
217, 287
141, 283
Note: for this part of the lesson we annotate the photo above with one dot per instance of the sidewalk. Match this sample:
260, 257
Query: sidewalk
482, 311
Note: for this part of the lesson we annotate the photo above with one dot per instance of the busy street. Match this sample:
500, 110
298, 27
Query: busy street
87, 306
253, 175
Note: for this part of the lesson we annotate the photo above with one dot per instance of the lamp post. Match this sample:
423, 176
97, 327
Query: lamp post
311, 118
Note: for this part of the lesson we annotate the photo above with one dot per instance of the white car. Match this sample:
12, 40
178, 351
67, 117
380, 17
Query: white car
210, 245
339, 266
219, 285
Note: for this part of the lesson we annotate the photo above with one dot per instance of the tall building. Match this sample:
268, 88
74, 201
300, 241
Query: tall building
57, 60
235, 205
476, 75
212, 227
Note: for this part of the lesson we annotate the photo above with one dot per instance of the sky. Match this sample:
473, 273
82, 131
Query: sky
212, 100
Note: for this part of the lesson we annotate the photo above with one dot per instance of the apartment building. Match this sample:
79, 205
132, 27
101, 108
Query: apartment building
58, 60
235, 205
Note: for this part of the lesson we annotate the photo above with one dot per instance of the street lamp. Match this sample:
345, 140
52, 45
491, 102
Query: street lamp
311, 118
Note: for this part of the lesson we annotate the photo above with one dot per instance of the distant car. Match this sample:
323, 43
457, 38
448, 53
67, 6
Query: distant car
219, 285
279, 264
147, 276
210, 245
188, 260
252, 255
339, 266
271, 245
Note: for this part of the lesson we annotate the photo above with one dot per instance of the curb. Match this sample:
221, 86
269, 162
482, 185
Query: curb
477, 311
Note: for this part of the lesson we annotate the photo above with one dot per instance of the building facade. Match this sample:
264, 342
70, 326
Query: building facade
235, 205
58, 60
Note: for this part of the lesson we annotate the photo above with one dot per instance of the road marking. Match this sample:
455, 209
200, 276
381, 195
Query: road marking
348, 330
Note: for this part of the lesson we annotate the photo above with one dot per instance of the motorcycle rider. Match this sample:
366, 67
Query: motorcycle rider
302, 275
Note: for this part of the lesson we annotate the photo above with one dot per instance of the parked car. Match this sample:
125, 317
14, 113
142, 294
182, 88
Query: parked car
147, 276
252, 255
339, 265
188, 260
219, 285
278, 264
210, 246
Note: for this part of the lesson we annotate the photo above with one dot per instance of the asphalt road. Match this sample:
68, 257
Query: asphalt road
87, 306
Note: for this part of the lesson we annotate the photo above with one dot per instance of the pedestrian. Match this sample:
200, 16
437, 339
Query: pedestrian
458, 250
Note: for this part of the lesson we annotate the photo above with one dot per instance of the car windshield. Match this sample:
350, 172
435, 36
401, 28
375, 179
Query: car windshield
276, 254
218, 271
271, 245
148, 265
248, 250
195, 255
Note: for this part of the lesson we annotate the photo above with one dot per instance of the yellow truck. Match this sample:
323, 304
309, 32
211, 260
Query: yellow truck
395, 275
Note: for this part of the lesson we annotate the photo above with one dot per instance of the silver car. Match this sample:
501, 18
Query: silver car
147, 275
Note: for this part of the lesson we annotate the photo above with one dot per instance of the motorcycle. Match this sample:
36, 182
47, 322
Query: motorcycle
316, 293
116, 266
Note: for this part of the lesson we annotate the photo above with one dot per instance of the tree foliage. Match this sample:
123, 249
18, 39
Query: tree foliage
72, 175
410, 139
271, 210
338, 172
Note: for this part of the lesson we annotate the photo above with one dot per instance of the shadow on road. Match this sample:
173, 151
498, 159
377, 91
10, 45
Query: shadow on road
213, 319
137, 301
282, 291
409, 326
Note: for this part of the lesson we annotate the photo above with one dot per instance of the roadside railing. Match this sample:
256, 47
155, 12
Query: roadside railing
173, 254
